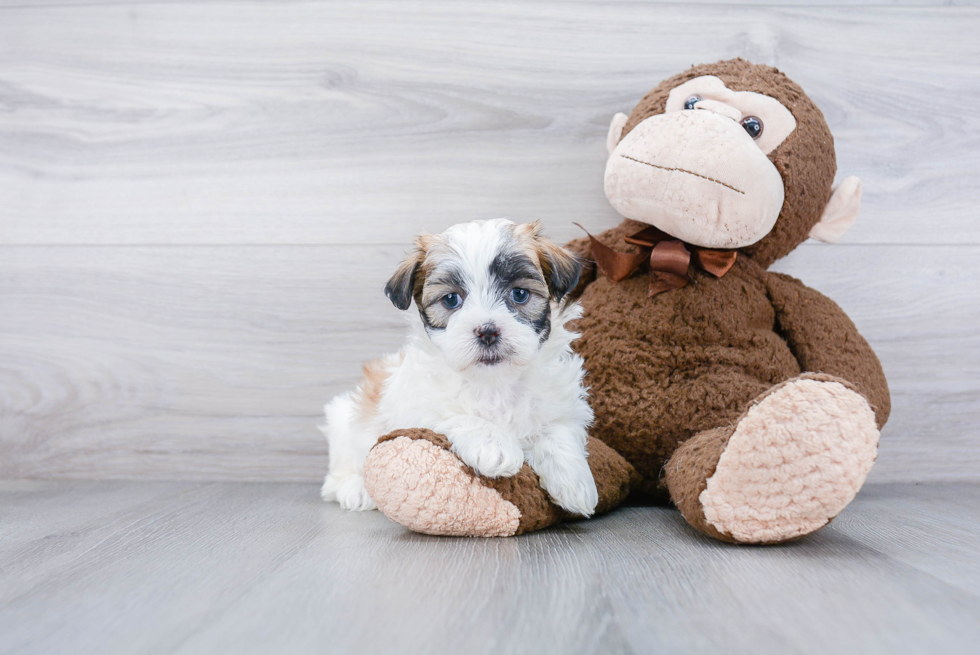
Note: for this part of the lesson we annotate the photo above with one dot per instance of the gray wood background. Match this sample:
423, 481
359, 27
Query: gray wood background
200, 202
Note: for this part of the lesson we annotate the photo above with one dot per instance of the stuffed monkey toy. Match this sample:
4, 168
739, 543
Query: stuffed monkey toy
744, 397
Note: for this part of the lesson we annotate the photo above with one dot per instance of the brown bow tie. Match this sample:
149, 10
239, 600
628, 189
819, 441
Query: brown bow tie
670, 259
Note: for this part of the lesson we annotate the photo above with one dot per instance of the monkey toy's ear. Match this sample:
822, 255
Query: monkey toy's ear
840, 213
615, 131
401, 285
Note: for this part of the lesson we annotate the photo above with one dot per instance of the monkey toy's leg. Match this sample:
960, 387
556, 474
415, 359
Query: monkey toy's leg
790, 464
418, 482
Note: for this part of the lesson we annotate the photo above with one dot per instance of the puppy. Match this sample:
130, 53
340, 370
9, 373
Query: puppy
487, 363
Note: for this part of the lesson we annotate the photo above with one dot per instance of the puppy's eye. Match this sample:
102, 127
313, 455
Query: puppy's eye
753, 126
520, 296
693, 100
452, 300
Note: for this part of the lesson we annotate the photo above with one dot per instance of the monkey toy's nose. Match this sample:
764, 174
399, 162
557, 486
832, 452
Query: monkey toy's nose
487, 334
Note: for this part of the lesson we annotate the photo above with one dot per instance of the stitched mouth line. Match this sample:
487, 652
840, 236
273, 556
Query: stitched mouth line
681, 170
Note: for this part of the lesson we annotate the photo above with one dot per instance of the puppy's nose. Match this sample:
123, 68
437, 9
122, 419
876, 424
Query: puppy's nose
487, 334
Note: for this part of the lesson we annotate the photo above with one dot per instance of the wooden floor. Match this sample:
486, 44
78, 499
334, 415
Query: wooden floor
231, 567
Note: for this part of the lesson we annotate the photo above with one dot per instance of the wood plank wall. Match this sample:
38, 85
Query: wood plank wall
199, 202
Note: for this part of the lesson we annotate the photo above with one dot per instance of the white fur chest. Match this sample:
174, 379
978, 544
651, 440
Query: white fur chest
422, 392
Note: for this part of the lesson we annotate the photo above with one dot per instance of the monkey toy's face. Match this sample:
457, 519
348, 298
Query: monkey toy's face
700, 171
703, 157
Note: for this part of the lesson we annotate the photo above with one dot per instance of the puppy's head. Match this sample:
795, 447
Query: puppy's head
485, 291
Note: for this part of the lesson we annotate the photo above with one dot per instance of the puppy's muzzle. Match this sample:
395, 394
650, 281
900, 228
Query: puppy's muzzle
487, 334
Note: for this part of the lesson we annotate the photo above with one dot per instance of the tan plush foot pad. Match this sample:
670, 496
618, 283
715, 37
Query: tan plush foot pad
424, 487
418, 482
794, 461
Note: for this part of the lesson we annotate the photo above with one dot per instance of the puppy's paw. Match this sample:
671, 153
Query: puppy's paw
348, 491
491, 458
573, 489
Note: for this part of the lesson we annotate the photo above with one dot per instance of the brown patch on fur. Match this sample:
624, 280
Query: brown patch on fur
369, 390
555, 263
531, 242
409, 278
424, 245
528, 231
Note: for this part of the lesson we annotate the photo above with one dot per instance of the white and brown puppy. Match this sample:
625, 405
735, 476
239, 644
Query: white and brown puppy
488, 363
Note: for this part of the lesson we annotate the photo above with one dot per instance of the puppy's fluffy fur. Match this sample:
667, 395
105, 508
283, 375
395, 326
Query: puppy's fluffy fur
488, 363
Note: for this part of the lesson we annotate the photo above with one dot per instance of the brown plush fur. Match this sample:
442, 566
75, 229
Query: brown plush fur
663, 369
687, 475
689, 362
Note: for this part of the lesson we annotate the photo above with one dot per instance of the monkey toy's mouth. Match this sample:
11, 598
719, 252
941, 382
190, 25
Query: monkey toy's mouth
681, 170
697, 176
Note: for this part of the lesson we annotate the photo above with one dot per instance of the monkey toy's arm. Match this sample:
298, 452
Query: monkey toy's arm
825, 340
615, 238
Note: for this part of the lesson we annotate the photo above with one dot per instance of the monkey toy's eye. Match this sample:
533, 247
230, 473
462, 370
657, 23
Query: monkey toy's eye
753, 126
693, 100
520, 296
452, 300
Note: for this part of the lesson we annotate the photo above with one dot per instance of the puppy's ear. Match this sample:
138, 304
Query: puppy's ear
561, 268
402, 285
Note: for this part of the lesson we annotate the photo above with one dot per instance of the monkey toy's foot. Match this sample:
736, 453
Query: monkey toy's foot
418, 482
789, 465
